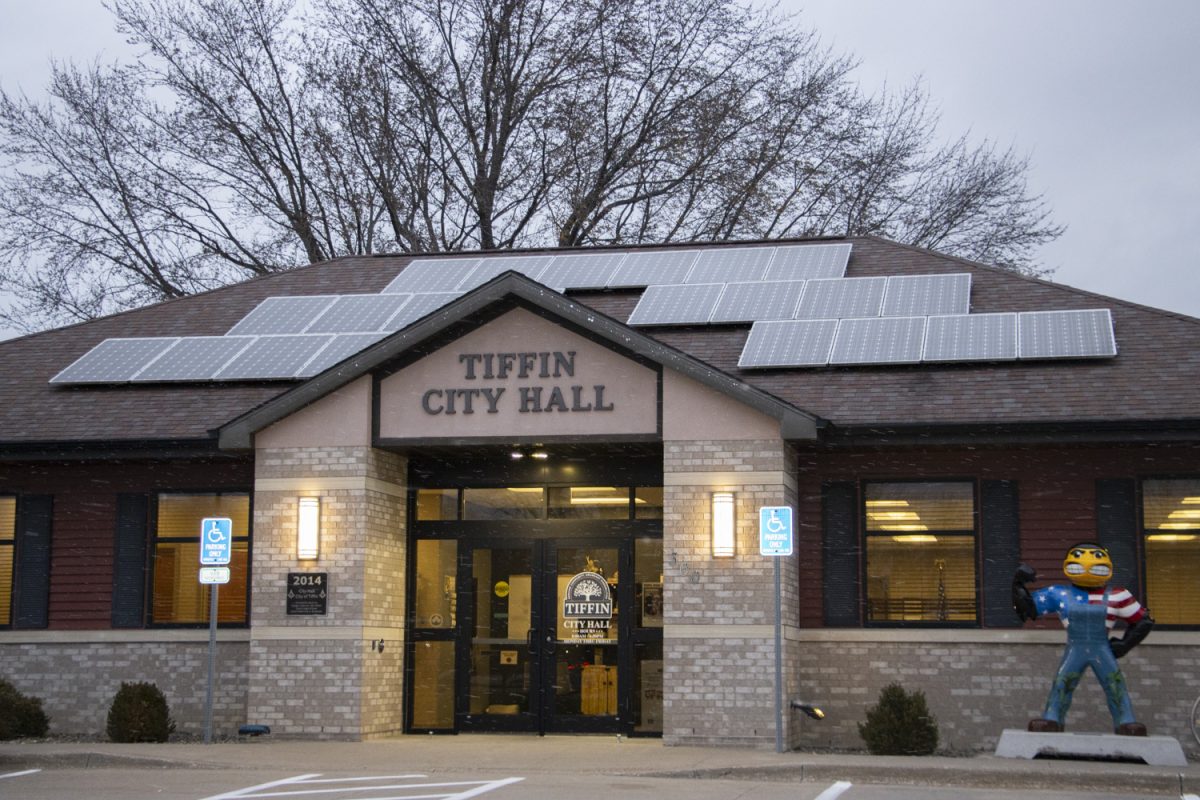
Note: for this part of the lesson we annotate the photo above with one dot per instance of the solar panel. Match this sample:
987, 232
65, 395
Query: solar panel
879, 340
581, 271
729, 264
789, 343
273, 357
1067, 334
195, 358
417, 307
659, 267
750, 302
432, 275
529, 266
971, 337
927, 295
113, 360
342, 347
279, 315
841, 298
358, 313
676, 305
807, 261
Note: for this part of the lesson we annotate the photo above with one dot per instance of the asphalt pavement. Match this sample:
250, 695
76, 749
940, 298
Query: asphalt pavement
604, 755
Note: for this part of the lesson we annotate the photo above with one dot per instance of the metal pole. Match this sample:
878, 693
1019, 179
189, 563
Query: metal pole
212, 662
778, 662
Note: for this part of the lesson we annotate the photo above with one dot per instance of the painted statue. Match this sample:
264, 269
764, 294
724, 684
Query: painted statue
1088, 608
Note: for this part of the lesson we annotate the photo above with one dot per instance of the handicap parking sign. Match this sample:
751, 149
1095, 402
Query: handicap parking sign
216, 540
775, 530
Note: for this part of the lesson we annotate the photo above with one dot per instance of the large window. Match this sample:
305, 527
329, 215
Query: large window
8, 534
920, 552
1171, 518
540, 502
178, 596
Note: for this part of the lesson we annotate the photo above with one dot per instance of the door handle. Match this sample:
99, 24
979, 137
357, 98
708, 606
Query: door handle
529, 643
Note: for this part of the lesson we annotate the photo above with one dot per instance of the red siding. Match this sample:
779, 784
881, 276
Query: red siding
1056, 492
85, 514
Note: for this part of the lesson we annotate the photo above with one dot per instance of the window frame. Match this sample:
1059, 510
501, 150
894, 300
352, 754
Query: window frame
153, 540
974, 533
11, 542
1143, 533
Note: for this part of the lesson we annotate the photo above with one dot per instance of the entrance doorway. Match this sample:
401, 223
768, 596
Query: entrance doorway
544, 644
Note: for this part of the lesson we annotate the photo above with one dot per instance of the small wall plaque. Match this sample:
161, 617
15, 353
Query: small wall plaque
307, 593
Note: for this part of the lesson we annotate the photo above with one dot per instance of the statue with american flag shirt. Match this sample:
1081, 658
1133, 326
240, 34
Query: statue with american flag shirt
1088, 608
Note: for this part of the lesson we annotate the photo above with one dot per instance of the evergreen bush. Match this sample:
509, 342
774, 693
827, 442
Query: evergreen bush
900, 724
139, 713
21, 716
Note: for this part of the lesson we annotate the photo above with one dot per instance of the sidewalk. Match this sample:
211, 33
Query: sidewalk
514, 755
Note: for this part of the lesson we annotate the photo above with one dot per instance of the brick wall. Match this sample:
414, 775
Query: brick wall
326, 676
718, 682
976, 686
77, 680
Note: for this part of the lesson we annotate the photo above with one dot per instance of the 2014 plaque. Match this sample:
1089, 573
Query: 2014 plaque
307, 593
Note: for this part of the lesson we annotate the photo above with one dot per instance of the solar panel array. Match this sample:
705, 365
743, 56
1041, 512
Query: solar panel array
1031, 335
804, 313
819, 298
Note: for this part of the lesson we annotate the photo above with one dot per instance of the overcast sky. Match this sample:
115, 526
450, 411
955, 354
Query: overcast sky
1104, 95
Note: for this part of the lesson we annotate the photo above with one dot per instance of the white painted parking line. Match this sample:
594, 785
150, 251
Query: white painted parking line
301, 786
834, 791
19, 774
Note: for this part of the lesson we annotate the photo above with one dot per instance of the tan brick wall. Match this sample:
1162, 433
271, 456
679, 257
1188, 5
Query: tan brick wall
343, 686
719, 685
976, 689
78, 680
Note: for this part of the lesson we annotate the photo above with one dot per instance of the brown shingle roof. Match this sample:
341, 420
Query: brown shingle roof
1155, 377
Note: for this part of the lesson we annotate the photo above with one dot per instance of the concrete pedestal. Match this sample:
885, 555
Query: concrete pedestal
1158, 751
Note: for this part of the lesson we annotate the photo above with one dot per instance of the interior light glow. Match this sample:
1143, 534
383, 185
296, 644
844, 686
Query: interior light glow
541, 455
915, 539
516, 455
903, 527
887, 504
524, 489
1187, 513
893, 515
1171, 537
1193, 501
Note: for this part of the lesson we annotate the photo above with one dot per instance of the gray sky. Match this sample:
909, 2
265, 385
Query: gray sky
1103, 94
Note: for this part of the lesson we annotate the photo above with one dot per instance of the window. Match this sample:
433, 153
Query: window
921, 552
178, 596
8, 535
539, 502
1171, 520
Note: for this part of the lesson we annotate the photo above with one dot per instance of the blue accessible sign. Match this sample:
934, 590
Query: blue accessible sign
775, 530
216, 540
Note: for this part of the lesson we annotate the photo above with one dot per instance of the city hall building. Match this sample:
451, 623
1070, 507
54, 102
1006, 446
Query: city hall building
521, 492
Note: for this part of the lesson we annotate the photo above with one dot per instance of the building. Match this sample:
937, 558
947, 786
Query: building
522, 492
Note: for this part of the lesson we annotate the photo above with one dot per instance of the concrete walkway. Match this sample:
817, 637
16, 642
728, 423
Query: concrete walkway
604, 755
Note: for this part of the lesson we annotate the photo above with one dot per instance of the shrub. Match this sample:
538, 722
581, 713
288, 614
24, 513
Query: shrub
20, 715
139, 713
900, 724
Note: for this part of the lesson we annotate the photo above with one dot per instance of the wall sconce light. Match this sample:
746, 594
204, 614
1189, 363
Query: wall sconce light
308, 528
723, 527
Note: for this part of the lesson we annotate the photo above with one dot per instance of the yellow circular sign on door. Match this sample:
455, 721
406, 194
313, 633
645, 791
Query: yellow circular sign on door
501, 589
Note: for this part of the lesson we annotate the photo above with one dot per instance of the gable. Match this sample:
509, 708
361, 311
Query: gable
519, 376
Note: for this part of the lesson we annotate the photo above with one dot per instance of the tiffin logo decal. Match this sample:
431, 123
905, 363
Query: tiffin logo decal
587, 597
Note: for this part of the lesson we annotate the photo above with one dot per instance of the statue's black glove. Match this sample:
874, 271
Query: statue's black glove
1021, 599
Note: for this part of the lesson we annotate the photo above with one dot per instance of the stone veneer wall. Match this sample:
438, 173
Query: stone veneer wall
78, 674
327, 676
977, 683
719, 614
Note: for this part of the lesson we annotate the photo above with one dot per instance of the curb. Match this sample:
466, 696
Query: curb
86, 760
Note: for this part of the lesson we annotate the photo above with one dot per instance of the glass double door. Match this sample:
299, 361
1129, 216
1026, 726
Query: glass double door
542, 644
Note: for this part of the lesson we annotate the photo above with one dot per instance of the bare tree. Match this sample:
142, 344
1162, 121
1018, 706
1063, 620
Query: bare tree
253, 135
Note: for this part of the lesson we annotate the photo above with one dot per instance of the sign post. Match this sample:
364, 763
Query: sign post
775, 540
216, 549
